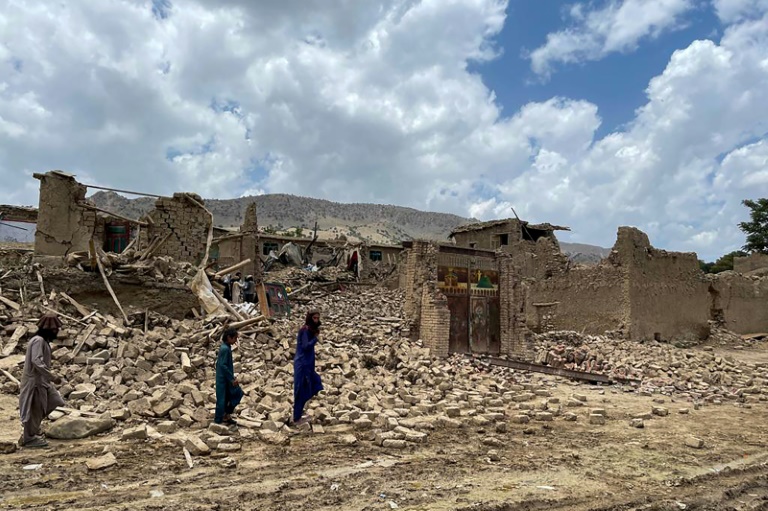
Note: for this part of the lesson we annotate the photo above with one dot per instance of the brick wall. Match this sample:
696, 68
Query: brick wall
186, 223
435, 320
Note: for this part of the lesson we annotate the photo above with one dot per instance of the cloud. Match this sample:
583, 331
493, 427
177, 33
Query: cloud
374, 102
730, 11
618, 26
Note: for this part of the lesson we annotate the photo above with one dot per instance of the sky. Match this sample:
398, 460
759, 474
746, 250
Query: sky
595, 114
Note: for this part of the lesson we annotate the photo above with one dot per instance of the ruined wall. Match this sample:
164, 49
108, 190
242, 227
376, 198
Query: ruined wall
752, 262
741, 301
668, 292
62, 225
539, 259
420, 268
589, 299
185, 222
250, 242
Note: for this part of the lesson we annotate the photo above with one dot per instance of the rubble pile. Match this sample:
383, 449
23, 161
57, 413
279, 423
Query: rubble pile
697, 374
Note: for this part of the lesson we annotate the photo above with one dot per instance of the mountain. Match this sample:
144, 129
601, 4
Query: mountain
374, 223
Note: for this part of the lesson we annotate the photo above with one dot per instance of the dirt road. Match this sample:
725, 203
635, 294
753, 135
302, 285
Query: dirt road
550, 465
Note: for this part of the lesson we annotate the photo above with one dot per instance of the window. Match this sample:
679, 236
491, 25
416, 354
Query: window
472, 244
269, 246
504, 239
375, 255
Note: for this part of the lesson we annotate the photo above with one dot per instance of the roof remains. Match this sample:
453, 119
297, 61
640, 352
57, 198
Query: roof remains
479, 226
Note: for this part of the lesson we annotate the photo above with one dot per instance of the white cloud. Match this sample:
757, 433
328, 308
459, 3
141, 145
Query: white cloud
372, 101
618, 26
730, 11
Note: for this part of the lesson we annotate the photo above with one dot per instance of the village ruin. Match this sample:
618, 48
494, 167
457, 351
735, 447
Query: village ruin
480, 336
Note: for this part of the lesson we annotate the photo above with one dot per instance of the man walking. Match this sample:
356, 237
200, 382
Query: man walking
306, 381
38, 398
228, 391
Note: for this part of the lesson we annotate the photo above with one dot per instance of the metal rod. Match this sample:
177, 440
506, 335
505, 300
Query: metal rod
15, 227
123, 191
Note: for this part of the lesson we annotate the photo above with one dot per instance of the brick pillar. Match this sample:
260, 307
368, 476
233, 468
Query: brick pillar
250, 243
512, 300
435, 323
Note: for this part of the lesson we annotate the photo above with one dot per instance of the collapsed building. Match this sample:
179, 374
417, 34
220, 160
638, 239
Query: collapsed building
505, 279
486, 291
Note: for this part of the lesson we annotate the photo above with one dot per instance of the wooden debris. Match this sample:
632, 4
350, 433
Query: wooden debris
9, 376
85, 337
232, 268
14, 341
65, 316
106, 282
188, 457
42, 287
227, 305
10, 303
87, 205
82, 310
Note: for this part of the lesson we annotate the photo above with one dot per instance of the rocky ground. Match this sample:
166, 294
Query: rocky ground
394, 428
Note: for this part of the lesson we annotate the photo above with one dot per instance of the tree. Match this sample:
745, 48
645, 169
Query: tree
722, 264
756, 229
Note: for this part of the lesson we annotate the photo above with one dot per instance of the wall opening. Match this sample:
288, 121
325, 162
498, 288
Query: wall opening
534, 234
375, 255
268, 247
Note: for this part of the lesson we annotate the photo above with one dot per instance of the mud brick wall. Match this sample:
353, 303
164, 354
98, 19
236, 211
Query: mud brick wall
435, 321
186, 223
589, 299
741, 301
752, 262
62, 225
669, 294
420, 268
250, 243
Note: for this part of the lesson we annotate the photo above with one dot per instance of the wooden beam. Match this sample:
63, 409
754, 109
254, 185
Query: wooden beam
82, 340
110, 213
14, 341
10, 303
9, 376
82, 310
247, 322
123, 191
226, 305
232, 268
106, 282
64, 315
42, 288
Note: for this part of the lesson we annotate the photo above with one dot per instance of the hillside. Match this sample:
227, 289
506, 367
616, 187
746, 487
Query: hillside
370, 222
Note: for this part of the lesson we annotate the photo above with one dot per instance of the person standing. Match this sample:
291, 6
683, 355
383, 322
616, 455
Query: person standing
249, 290
37, 397
227, 287
228, 391
237, 286
306, 381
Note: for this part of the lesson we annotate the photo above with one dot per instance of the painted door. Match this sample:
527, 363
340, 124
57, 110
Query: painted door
459, 334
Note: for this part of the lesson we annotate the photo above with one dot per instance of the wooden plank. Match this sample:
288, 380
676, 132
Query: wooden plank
226, 305
232, 268
11, 361
247, 322
85, 337
111, 213
9, 376
82, 310
14, 341
152, 250
188, 457
64, 315
10, 303
106, 282
42, 287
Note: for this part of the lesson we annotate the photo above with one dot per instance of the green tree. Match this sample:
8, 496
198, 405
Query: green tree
706, 267
725, 262
299, 232
757, 228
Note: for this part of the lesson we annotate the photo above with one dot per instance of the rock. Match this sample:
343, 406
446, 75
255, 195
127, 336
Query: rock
596, 418
101, 462
8, 447
392, 443
694, 442
493, 455
660, 411
501, 427
599, 411
167, 427
637, 423
219, 429
274, 438
683, 411
121, 414
521, 419
348, 439
228, 463
492, 442
362, 424
544, 416
74, 428
136, 433
196, 446
228, 447
570, 417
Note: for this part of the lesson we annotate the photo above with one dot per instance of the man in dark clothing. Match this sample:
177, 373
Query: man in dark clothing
306, 381
249, 290
228, 391
38, 398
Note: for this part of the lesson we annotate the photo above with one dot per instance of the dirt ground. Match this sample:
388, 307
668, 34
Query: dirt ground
554, 465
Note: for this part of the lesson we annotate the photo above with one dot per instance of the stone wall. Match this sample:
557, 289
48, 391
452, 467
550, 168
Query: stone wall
184, 222
754, 261
62, 225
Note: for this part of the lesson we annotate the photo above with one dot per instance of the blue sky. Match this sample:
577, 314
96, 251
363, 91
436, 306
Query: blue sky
616, 84
648, 113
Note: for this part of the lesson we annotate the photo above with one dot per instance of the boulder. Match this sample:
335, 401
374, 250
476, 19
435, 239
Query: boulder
69, 428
